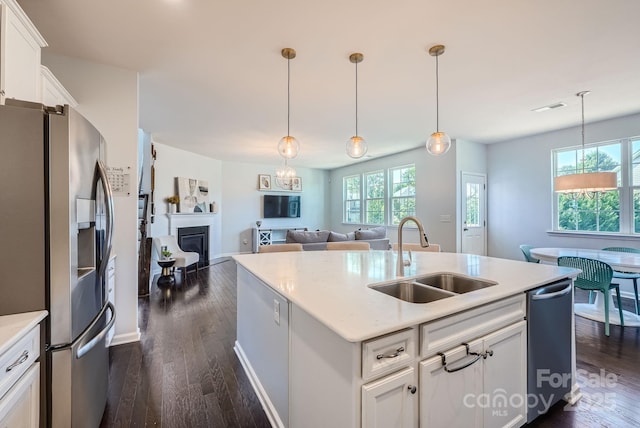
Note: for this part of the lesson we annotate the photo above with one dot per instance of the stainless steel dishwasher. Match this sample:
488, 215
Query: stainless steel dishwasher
549, 316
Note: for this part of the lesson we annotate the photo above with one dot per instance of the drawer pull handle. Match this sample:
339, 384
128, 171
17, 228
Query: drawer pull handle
412, 389
394, 355
23, 357
484, 355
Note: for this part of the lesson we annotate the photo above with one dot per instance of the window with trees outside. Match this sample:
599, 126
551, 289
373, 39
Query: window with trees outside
351, 196
403, 192
385, 196
615, 211
374, 197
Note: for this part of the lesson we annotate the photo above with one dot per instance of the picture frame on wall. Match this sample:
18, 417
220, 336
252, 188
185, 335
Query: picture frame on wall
264, 182
296, 184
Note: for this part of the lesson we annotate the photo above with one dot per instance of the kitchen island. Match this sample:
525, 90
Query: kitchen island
324, 349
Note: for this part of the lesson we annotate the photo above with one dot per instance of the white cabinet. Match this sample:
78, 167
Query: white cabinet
482, 384
20, 53
271, 236
391, 401
53, 93
20, 407
20, 382
111, 292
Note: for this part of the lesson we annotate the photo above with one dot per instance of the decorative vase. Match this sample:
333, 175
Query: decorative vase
172, 208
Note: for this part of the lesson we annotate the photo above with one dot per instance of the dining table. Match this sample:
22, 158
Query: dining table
621, 262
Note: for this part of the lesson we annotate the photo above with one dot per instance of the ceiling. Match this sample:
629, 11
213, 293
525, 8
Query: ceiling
212, 80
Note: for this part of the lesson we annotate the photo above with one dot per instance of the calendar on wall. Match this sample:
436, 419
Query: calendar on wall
119, 180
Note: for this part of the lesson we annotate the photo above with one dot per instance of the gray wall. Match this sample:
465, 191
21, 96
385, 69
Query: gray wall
521, 194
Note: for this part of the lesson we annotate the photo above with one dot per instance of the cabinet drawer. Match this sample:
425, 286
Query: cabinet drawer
448, 332
17, 359
386, 354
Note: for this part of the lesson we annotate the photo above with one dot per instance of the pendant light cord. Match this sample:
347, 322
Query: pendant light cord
356, 99
288, 92
437, 98
583, 156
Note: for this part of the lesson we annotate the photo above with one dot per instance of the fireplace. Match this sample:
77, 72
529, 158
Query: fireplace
195, 239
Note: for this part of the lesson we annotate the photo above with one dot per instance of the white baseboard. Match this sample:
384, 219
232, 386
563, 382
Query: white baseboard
267, 405
121, 339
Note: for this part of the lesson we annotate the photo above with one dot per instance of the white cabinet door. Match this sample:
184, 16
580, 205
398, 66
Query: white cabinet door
20, 407
20, 52
391, 401
449, 398
505, 377
53, 93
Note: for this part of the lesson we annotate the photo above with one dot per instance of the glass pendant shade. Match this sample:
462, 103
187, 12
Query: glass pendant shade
439, 143
586, 182
288, 147
356, 147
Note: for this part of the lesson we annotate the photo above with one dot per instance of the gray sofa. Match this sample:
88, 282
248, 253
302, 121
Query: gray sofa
317, 240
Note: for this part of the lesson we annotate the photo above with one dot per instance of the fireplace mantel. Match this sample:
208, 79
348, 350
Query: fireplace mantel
188, 220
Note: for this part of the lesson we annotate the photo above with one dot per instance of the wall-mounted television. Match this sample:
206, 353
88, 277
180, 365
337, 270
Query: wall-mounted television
278, 206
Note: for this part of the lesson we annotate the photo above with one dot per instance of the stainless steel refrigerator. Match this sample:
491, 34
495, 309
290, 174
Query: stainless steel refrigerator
56, 220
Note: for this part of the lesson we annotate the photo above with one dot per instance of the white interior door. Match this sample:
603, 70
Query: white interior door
474, 207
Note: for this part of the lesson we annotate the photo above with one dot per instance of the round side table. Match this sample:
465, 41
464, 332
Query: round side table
166, 277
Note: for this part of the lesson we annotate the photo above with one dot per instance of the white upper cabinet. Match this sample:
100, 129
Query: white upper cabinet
20, 53
53, 93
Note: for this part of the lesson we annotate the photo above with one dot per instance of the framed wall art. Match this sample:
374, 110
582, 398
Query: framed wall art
264, 182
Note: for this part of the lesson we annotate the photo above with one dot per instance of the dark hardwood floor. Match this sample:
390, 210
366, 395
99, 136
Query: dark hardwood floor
184, 372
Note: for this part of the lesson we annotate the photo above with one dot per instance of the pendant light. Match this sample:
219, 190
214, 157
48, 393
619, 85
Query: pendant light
585, 183
288, 146
439, 142
356, 146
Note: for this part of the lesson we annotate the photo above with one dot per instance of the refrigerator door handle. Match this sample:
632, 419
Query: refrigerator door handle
85, 343
108, 201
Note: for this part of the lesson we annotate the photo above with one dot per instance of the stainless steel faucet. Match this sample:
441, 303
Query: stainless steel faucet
423, 242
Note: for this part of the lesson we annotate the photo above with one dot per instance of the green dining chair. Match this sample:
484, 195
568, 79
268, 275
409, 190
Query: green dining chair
627, 275
595, 276
526, 250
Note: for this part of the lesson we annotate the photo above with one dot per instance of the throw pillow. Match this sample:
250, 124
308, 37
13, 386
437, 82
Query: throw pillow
339, 237
374, 233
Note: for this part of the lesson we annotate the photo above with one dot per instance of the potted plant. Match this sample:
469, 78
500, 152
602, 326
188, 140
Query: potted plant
172, 201
165, 253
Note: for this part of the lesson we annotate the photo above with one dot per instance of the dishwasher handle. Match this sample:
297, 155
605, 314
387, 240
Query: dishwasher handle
543, 294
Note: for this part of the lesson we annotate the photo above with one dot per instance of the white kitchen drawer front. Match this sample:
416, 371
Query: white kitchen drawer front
386, 354
17, 359
448, 332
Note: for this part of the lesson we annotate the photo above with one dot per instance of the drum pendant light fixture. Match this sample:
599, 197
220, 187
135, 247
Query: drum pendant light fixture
356, 146
288, 146
439, 142
585, 183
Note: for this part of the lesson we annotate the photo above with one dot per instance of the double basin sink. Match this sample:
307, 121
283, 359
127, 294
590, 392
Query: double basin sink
430, 288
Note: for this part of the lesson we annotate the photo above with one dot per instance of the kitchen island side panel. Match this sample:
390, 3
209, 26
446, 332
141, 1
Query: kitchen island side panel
264, 341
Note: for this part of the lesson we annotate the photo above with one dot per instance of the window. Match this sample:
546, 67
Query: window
370, 191
351, 192
374, 197
616, 211
403, 192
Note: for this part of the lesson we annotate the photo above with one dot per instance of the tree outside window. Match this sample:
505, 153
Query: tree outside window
374, 200
351, 192
599, 212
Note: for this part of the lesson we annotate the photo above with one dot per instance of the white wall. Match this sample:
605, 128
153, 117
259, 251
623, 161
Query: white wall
108, 97
520, 189
435, 194
242, 203
171, 163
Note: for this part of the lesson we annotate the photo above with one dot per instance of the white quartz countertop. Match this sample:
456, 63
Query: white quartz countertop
332, 286
14, 327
